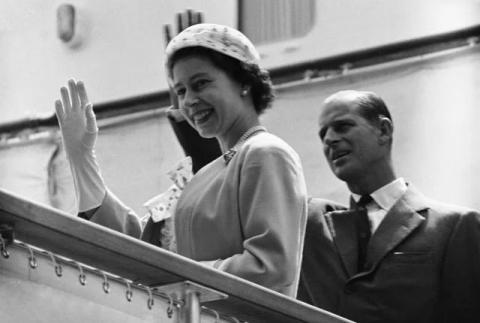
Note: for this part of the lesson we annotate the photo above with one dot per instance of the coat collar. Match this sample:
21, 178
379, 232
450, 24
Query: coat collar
399, 222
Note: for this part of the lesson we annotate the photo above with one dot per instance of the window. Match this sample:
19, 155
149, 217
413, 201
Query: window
265, 21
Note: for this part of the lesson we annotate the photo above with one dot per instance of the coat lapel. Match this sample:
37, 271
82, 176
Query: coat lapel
344, 233
402, 219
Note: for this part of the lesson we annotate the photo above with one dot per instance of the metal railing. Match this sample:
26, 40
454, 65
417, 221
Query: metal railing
30, 224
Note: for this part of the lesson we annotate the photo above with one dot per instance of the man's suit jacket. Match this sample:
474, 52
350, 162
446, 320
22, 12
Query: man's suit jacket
423, 264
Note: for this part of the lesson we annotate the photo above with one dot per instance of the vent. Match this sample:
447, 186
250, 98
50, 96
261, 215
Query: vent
269, 21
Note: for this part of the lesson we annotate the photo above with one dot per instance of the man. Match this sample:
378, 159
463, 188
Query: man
419, 260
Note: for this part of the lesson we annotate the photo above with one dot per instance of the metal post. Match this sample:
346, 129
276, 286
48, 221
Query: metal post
192, 295
192, 306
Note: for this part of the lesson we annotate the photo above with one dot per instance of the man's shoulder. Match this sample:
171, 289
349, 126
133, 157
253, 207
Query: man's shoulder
440, 208
452, 210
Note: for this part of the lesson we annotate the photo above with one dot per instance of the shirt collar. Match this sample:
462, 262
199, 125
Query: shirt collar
387, 195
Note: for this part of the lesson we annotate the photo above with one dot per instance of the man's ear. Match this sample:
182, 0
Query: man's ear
386, 130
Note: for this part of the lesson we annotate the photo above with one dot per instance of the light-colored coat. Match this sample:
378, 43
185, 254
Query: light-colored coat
247, 217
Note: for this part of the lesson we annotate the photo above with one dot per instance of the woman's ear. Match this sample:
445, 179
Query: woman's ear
245, 90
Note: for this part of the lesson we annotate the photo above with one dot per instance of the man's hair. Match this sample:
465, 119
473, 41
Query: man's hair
258, 79
372, 107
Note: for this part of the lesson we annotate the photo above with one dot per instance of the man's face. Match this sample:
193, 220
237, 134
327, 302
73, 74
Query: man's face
351, 144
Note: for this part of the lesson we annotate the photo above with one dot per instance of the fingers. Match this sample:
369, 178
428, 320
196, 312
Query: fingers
59, 111
75, 101
82, 93
65, 99
198, 18
175, 114
90, 120
183, 20
73, 98
179, 17
167, 34
189, 18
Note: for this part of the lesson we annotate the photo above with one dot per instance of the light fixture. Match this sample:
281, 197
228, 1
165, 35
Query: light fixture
66, 22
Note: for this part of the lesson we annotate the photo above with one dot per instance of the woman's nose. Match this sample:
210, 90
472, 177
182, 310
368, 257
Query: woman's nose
191, 99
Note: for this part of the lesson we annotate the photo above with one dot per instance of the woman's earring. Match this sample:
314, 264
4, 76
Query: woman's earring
244, 92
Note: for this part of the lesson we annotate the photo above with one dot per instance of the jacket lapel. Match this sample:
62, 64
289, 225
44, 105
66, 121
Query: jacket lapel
402, 219
344, 233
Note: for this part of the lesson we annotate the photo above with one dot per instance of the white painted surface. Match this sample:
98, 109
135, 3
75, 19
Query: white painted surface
433, 102
38, 295
121, 53
349, 25
122, 56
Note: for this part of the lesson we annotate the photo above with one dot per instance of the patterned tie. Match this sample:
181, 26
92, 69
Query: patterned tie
363, 229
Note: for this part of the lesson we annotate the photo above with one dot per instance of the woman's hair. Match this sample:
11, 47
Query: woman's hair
258, 79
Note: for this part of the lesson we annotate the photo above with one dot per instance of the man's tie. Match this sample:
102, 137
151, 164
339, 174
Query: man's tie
363, 229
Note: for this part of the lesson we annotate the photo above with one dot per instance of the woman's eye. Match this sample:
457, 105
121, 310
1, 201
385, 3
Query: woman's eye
200, 84
180, 92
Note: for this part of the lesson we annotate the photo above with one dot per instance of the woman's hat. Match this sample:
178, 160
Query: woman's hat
223, 39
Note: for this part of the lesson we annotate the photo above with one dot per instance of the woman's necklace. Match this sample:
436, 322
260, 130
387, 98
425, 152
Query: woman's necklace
247, 134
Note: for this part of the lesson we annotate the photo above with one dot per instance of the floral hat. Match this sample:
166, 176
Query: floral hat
220, 38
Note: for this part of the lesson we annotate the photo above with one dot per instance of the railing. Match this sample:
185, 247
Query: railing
187, 290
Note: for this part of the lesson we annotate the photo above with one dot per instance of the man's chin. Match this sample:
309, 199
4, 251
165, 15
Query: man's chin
343, 173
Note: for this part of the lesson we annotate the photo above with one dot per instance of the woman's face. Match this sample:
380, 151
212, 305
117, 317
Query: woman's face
209, 99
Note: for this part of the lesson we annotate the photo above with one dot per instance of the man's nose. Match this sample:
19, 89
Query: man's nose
330, 137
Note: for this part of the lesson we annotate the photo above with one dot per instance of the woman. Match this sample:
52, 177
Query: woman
245, 212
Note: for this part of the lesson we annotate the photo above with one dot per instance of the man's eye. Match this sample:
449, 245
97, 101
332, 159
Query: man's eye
342, 127
321, 133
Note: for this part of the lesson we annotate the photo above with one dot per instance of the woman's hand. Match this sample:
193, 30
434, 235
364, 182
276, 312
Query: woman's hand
79, 131
184, 20
202, 150
76, 118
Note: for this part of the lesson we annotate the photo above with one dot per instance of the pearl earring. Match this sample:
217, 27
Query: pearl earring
244, 92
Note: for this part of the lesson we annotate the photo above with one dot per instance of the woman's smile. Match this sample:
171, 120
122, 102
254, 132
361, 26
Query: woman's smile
202, 116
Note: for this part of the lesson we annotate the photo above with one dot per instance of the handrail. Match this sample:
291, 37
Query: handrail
119, 254
361, 58
380, 54
103, 110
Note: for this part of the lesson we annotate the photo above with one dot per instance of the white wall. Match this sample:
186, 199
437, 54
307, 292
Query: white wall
121, 54
122, 50
348, 25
